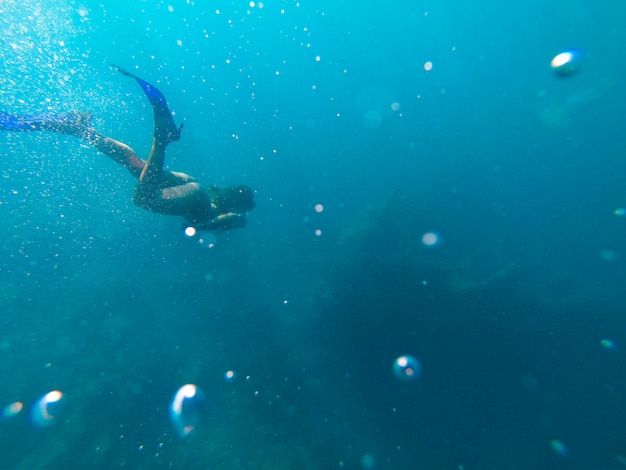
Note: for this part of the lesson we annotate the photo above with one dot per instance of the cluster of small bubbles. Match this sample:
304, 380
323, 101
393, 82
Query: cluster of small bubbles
207, 240
45, 411
206, 243
187, 409
407, 368
42, 55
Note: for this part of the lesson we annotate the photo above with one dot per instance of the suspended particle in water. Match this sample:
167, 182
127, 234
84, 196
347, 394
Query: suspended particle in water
407, 368
431, 239
608, 255
47, 408
229, 376
372, 119
368, 461
608, 344
531, 383
12, 409
559, 448
187, 409
567, 62
207, 240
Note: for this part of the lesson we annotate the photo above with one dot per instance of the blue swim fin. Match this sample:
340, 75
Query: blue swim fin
165, 129
74, 123
11, 122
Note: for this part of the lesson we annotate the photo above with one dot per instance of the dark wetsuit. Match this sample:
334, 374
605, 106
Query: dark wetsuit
157, 190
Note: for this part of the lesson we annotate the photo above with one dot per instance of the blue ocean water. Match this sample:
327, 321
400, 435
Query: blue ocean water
363, 127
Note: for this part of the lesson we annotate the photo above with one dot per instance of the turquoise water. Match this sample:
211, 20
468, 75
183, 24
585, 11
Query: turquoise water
363, 127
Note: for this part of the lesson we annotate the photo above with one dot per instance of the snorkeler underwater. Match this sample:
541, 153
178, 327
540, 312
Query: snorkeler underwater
158, 190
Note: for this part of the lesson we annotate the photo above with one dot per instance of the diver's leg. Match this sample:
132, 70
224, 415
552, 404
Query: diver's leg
120, 153
165, 130
77, 124
164, 127
153, 168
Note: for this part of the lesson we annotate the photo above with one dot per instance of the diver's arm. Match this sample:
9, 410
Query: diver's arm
154, 165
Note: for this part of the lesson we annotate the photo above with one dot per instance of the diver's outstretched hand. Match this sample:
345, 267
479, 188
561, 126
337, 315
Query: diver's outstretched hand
223, 222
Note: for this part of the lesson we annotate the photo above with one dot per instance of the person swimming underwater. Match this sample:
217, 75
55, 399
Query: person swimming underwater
157, 190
